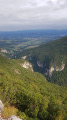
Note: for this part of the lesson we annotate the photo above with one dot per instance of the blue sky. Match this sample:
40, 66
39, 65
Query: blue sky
33, 14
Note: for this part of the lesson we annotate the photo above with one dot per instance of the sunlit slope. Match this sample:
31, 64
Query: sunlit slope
30, 93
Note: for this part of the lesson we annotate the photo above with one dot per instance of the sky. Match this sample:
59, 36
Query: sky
33, 14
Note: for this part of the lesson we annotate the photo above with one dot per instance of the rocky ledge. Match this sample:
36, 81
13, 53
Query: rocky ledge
13, 117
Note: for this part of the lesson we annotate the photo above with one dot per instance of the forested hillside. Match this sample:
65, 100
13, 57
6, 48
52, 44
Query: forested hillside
28, 95
50, 59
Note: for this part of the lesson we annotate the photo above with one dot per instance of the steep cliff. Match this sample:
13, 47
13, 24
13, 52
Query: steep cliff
50, 59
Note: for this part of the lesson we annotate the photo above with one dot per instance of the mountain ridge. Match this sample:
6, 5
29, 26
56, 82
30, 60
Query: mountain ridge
49, 58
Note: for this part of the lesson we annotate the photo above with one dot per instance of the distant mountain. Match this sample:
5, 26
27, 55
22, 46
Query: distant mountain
50, 59
17, 41
28, 95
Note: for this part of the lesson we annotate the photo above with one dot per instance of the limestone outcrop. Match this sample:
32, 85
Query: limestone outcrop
49, 71
27, 65
13, 117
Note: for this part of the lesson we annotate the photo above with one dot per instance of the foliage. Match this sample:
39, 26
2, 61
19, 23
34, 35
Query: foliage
51, 54
30, 93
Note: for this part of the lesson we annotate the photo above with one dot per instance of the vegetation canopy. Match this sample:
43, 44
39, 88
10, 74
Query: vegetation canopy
28, 93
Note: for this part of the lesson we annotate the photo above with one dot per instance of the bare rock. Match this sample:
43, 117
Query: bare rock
27, 65
39, 64
13, 117
1, 106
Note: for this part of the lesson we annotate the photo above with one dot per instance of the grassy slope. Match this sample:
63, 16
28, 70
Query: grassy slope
27, 91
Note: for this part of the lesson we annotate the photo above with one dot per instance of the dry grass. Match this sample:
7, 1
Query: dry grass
8, 111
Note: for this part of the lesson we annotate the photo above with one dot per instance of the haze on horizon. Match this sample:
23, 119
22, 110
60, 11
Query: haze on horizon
33, 14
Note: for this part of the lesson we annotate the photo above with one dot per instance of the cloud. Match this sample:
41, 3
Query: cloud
33, 14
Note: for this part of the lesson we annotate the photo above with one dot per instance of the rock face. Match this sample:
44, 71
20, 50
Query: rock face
1, 106
4, 51
39, 64
13, 117
27, 65
55, 68
60, 68
51, 69
24, 57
